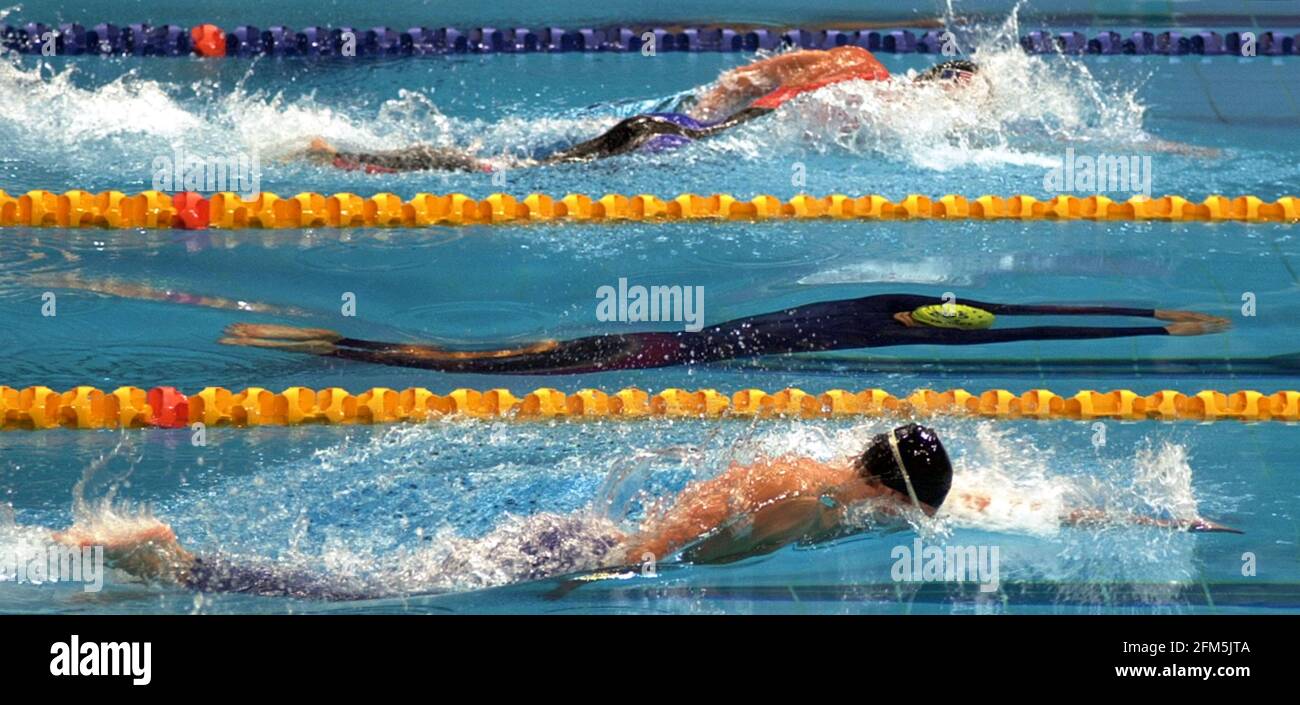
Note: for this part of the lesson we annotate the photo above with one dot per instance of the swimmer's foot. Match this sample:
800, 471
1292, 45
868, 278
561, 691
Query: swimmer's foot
314, 341
309, 347
279, 332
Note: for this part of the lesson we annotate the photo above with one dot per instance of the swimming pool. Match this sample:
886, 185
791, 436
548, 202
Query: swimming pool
436, 513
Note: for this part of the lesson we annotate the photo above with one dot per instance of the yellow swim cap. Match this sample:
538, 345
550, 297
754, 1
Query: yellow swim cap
953, 316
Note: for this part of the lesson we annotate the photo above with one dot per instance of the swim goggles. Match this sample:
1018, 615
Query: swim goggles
898, 459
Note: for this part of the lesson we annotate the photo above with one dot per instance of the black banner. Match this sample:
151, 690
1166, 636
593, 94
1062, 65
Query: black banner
224, 654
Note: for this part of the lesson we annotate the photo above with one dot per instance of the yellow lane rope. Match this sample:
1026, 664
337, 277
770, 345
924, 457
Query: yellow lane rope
155, 209
125, 407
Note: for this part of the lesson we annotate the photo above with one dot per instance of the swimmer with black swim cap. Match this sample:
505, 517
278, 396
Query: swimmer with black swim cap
750, 510
911, 461
747, 510
755, 509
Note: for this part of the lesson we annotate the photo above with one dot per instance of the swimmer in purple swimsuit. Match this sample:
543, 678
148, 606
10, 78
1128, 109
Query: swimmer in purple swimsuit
740, 95
868, 322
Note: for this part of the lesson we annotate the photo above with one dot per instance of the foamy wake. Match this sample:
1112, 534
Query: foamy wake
1031, 105
1018, 112
1029, 488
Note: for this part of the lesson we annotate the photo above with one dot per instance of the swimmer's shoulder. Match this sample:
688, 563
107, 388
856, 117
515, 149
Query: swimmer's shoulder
861, 57
788, 475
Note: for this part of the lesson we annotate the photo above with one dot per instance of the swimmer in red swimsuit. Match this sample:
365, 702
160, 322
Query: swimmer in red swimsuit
739, 95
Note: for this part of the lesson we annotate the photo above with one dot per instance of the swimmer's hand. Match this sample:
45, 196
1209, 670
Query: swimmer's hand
1190, 328
1170, 147
1197, 525
1173, 315
1192, 322
1207, 526
144, 547
318, 152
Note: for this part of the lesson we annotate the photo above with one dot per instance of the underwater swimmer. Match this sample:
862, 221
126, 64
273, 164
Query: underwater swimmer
868, 322
746, 511
739, 95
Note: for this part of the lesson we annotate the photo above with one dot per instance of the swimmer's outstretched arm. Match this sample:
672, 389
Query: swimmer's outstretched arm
1100, 517
1077, 310
1097, 517
1180, 323
1163, 146
144, 292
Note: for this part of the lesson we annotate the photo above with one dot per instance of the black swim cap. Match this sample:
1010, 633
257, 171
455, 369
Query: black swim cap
948, 70
923, 455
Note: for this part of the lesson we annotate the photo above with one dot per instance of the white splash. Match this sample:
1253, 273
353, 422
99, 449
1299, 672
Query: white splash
1026, 105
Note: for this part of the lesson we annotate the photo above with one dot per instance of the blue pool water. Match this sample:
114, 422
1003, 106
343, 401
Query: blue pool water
436, 514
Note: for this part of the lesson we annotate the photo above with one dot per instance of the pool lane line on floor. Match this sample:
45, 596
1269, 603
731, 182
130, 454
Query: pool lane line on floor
209, 40
37, 408
228, 211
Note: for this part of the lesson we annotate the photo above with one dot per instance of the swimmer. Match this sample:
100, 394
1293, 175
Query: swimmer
144, 292
740, 95
746, 511
868, 322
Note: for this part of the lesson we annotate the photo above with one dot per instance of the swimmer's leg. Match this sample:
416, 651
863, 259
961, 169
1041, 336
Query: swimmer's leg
622, 138
148, 549
324, 341
635, 131
417, 158
589, 354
